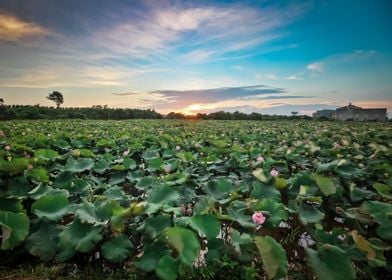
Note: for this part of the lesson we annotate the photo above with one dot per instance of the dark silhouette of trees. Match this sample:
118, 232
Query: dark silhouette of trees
1, 101
99, 112
56, 97
8, 112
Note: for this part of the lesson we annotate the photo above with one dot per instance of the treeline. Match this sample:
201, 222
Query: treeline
222, 115
11, 112
23, 112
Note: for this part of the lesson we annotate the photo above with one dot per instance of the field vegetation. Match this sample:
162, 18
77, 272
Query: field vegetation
204, 199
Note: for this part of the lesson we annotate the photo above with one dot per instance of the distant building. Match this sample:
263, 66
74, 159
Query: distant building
352, 112
323, 114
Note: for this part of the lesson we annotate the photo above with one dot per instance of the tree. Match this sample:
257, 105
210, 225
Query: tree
1, 101
56, 97
294, 113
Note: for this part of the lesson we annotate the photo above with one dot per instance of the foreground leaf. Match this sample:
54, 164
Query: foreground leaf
273, 256
167, 268
43, 243
117, 249
185, 242
52, 206
330, 262
14, 228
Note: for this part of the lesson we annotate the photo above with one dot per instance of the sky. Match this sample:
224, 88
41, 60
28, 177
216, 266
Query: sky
271, 57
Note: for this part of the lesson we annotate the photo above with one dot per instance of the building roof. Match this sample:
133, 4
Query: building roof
349, 107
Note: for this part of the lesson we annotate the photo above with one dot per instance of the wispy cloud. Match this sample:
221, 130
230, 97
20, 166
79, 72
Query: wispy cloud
209, 30
272, 77
85, 76
294, 77
13, 28
316, 66
192, 101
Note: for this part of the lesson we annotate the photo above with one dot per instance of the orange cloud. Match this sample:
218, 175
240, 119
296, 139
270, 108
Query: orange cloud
14, 29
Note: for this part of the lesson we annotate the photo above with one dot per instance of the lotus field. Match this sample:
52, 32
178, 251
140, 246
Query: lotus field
294, 199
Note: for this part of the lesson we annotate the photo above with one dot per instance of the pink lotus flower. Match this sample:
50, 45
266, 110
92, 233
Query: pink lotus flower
125, 153
260, 159
178, 148
274, 173
336, 145
7, 148
197, 145
258, 218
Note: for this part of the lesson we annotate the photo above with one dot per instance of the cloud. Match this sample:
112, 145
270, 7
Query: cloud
86, 76
316, 66
294, 77
197, 56
206, 100
198, 32
270, 109
178, 99
237, 67
258, 97
272, 77
15, 29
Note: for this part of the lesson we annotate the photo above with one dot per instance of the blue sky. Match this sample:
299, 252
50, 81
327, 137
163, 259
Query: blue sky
198, 56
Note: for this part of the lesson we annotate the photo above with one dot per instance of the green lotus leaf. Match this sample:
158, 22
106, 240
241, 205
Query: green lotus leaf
152, 254
43, 242
154, 226
261, 190
280, 183
204, 206
185, 242
18, 187
383, 190
87, 213
52, 206
273, 256
14, 166
310, 214
46, 154
38, 174
326, 185
154, 164
64, 180
167, 268
220, 189
163, 195
205, 225
101, 166
78, 237
117, 249
382, 213
115, 193
13, 205
79, 165
129, 163
238, 211
239, 241
14, 228
145, 183
330, 262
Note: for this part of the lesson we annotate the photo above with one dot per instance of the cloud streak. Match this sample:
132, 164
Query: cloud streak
209, 31
200, 100
14, 29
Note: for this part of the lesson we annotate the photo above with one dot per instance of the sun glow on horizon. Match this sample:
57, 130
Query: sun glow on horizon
193, 109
